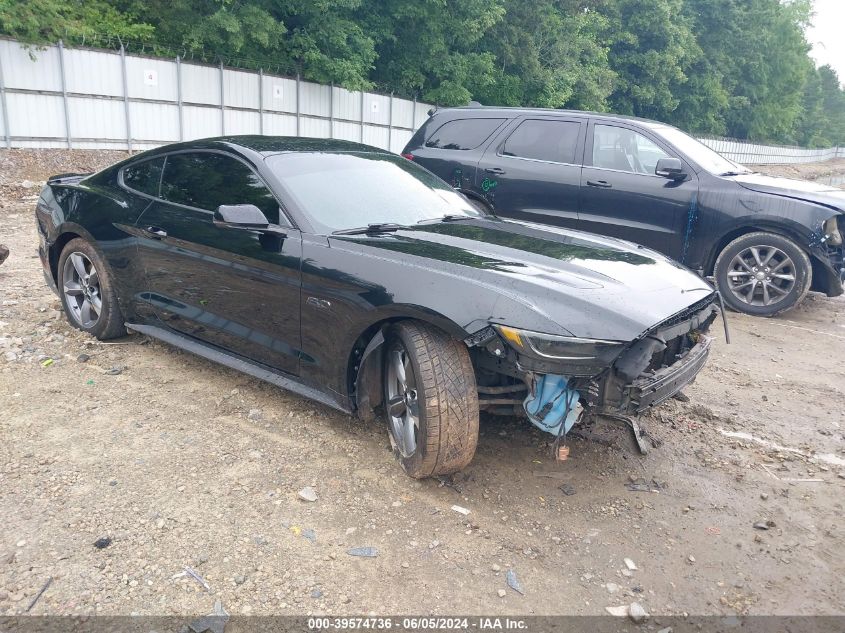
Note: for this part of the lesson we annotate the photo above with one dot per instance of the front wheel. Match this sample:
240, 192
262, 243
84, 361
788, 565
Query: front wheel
431, 400
86, 290
763, 274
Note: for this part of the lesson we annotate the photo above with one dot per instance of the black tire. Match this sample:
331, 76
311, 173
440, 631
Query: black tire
730, 276
446, 397
109, 321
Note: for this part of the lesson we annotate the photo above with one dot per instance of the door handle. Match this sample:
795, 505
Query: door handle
495, 170
599, 183
155, 232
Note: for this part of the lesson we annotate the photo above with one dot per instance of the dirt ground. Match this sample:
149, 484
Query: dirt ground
187, 465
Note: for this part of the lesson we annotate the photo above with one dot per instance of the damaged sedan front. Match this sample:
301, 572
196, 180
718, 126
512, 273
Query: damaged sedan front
358, 279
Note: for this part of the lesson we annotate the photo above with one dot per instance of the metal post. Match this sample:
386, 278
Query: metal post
261, 101
414, 114
298, 133
6, 131
222, 109
331, 111
390, 124
125, 98
362, 116
179, 97
64, 92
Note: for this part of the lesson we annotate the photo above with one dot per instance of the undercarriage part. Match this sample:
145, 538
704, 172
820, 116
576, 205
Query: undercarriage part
552, 405
639, 433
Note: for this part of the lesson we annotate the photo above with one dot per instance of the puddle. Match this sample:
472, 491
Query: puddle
827, 458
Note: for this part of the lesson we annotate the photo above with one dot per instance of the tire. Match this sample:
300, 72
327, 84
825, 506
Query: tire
78, 284
763, 274
440, 389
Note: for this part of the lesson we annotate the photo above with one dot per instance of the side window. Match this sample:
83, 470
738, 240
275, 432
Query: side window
463, 134
144, 177
624, 150
206, 180
543, 139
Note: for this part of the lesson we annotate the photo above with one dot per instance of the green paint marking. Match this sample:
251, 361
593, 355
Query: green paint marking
488, 183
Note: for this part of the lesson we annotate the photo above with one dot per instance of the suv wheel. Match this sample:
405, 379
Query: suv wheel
763, 274
431, 400
86, 291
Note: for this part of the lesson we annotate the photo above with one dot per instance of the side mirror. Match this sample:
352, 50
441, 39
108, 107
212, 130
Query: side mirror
240, 216
670, 168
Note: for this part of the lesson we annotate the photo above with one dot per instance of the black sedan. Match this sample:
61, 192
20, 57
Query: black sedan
766, 241
356, 278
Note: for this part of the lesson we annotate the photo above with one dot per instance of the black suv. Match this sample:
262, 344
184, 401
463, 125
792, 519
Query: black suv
767, 241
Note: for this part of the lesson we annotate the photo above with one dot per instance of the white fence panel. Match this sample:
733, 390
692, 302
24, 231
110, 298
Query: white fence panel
240, 90
201, 122
148, 78
279, 125
315, 128
200, 84
375, 136
347, 105
97, 119
92, 73
242, 122
347, 131
153, 122
279, 94
22, 72
314, 99
36, 116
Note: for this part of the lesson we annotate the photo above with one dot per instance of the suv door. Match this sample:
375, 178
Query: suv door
235, 288
451, 149
534, 171
621, 196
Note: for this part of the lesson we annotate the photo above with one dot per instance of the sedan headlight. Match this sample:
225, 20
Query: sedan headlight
832, 232
582, 356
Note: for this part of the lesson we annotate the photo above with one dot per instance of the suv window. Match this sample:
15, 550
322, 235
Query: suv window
144, 177
624, 150
543, 139
206, 180
463, 133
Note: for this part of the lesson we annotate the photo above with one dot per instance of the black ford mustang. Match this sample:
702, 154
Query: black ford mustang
359, 279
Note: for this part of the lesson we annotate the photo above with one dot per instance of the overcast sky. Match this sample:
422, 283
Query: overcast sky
826, 35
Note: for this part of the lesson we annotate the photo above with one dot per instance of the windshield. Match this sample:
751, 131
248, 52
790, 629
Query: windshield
697, 151
340, 191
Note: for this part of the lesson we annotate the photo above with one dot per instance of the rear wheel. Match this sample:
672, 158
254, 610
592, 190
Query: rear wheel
87, 294
431, 400
763, 274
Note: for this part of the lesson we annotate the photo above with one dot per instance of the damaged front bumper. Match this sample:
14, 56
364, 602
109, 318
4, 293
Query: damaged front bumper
614, 379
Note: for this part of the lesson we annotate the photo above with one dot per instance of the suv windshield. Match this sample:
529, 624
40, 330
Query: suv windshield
697, 151
343, 190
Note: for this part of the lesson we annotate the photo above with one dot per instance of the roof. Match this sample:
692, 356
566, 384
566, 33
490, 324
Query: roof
277, 144
511, 111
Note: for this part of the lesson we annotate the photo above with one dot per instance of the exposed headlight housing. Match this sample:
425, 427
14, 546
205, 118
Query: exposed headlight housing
832, 232
581, 356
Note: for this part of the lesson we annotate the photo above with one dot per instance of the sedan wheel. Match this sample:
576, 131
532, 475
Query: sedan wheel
87, 295
763, 274
431, 400
81, 286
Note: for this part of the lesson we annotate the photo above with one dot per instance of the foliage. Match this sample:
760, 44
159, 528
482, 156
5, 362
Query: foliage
730, 67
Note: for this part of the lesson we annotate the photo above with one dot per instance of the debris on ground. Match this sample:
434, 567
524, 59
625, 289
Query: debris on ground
637, 613
366, 552
639, 484
501, 593
83, 358
309, 534
103, 542
4, 253
513, 582
460, 510
764, 525
215, 622
116, 370
39, 594
197, 577
551, 474
630, 564
620, 612
567, 489
308, 494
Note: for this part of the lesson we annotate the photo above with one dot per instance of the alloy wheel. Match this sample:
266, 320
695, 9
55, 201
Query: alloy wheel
402, 400
761, 275
81, 287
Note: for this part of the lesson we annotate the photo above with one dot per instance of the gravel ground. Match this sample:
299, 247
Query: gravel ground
173, 463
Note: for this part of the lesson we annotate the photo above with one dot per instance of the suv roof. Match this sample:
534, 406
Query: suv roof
512, 111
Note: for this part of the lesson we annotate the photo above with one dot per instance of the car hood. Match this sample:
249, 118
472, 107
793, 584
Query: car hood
826, 195
543, 278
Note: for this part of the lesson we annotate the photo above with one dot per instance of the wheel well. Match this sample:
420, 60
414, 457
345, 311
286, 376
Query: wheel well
56, 252
744, 230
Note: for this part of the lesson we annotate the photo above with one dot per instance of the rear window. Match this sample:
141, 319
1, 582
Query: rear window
144, 177
463, 134
542, 139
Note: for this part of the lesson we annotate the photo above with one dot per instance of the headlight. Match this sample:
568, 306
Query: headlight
831, 231
583, 356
